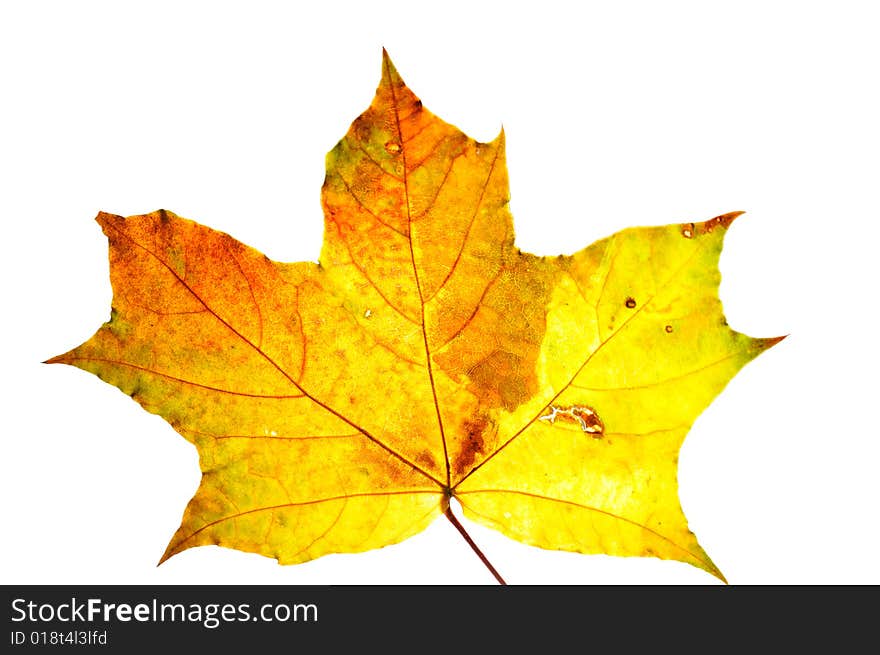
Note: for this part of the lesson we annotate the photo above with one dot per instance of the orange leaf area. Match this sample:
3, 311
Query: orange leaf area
338, 406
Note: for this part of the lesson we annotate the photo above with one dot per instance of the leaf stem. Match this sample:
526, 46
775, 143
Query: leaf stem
474, 547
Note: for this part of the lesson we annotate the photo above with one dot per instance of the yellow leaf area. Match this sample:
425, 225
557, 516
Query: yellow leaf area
337, 407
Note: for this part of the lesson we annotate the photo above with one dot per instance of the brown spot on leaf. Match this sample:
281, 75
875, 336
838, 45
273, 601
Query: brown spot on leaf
362, 126
501, 371
426, 458
668, 329
630, 302
476, 430
690, 230
719, 221
582, 415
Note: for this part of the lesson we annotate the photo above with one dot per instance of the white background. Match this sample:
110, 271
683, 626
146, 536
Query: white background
616, 114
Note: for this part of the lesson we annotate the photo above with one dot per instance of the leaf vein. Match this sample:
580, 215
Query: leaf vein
263, 354
369, 211
412, 254
666, 380
303, 503
176, 379
377, 164
467, 232
590, 508
588, 359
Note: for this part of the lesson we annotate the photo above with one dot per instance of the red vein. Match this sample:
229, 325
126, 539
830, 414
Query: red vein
469, 228
601, 293
396, 354
414, 112
429, 154
440, 186
595, 308
271, 361
251, 289
667, 380
476, 307
182, 312
302, 336
303, 503
377, 164
367, 209
410, 138
416, 274
376, 524
590, 508
674, 428
367, 277
269, 437
325, 532
173, 378
214, 435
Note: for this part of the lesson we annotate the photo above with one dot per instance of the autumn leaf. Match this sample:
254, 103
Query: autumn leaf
339, 406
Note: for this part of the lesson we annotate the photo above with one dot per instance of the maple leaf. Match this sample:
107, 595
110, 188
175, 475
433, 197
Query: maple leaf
338, 407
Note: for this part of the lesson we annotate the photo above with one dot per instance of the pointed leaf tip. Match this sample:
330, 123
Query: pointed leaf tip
165, 556
103, 216
389, 71
728, 218
689, 230
769, 342
724, 220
